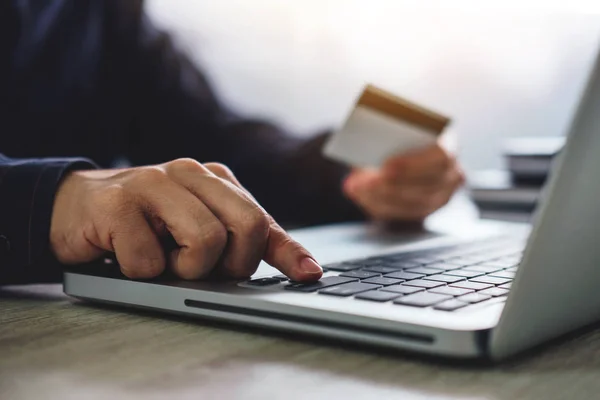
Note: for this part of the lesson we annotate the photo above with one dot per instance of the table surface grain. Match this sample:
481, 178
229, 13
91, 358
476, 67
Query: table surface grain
52, 346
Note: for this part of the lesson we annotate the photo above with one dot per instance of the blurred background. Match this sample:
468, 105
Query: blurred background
499, 70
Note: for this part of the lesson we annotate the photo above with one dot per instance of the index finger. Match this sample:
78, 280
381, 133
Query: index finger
283, 252
288, 256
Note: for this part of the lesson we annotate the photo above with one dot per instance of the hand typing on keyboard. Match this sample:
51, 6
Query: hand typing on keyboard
215, 225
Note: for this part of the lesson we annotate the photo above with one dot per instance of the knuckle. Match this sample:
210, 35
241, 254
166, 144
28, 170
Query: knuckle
255, 222
149, 175
186, 165
219, 169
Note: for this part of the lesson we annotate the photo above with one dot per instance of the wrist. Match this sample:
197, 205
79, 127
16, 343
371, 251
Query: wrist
64, 202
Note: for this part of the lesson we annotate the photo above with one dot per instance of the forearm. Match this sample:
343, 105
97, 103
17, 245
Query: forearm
27, 190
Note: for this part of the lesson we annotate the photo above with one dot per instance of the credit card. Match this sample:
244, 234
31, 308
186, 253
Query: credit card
383, 125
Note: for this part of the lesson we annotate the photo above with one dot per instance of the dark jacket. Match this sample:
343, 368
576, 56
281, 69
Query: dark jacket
91, 81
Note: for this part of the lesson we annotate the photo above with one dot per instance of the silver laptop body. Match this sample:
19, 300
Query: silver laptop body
556, 288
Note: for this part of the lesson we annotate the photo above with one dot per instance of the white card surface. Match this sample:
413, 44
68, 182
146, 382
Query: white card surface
382, 127
368, 138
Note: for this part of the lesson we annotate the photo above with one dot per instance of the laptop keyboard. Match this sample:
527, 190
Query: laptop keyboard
446, 279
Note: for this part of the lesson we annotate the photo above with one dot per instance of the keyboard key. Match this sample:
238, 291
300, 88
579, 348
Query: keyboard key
503, 274
491, 280
423, 270
470, 260
425, 260
453, 254
372, 261
403, 264
444, 266
481, 268
464, 273
282, 278
514, 257
360, 274
263, 282
402, 289
494, 292
505, 286
383, 281
424, 284
407, 276
342, 267
474, 298
471, 285
495, 254
403, 256
377, 295
445, 278
394, 258
451, 291
314, 286
501, 263
381, 269
348, 289
450, 305
511, 269
421, 299
456, 261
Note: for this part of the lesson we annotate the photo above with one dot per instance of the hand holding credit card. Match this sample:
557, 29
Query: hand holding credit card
400, 171
383, 125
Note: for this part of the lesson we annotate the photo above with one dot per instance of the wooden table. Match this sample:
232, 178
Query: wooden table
55, 347
52, 346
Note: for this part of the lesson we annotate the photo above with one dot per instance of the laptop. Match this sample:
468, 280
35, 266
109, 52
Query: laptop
490, 292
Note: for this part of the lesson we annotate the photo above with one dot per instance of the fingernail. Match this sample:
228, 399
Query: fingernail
310, 266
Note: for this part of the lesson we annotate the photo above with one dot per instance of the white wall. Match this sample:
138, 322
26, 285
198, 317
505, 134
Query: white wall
502, 71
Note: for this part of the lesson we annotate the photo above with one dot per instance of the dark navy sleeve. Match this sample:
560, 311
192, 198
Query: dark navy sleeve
27, 190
